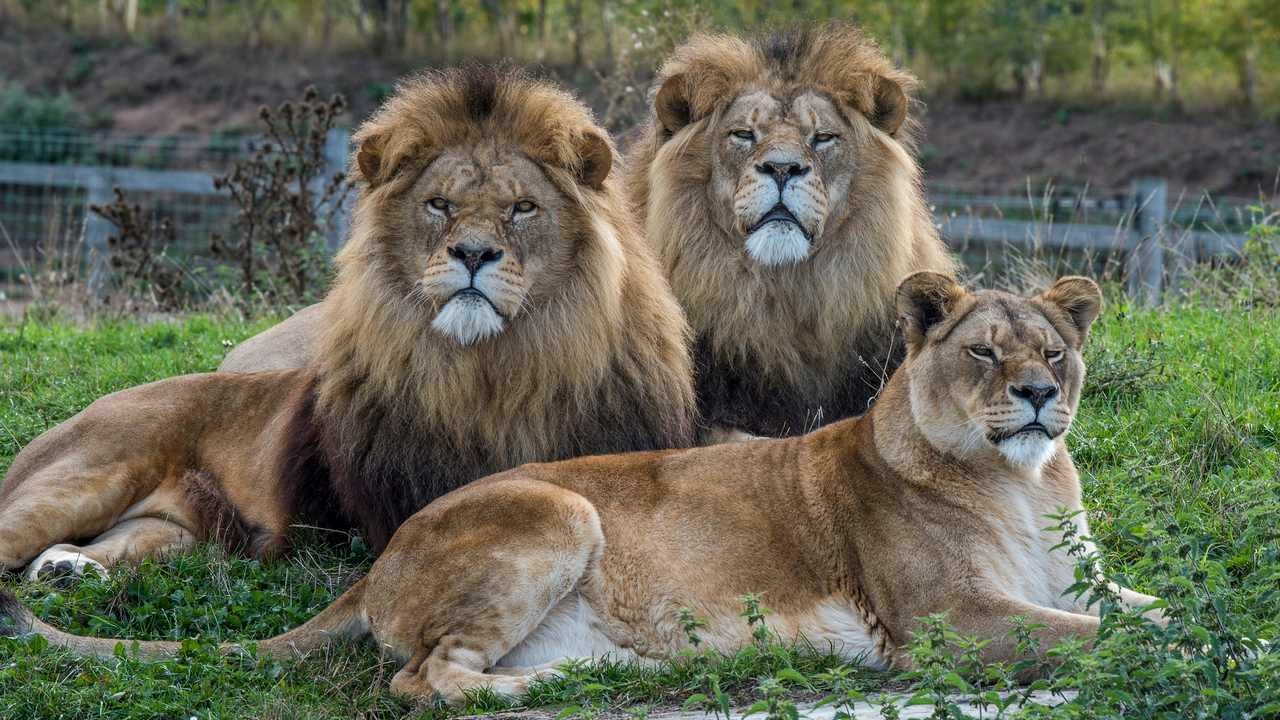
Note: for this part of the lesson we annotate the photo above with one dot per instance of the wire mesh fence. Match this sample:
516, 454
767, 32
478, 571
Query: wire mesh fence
60, 146
50, 177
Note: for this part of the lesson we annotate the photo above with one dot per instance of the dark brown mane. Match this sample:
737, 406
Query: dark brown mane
396, 414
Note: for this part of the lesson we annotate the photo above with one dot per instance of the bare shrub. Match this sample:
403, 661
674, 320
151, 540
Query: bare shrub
140, 260
286, 204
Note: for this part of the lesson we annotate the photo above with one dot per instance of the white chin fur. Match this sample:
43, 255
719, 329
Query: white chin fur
468, 319
1030, 450
778, 243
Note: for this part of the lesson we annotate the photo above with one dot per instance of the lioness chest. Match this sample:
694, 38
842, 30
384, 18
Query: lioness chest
1021, 553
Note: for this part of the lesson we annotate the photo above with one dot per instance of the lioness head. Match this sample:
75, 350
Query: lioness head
792, 125
479, 182
992, 372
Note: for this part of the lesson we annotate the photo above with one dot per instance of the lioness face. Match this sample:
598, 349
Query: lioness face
776, 162
489, 233
995, 372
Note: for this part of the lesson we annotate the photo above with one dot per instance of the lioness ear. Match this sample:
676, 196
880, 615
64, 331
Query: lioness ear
925, 299
671, 104
1079, 298
890, 105
596, 159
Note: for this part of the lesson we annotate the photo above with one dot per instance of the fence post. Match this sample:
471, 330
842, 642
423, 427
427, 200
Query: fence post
1146, 259
96, 232
337, 147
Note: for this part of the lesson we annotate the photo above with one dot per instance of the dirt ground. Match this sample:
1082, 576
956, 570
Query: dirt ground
993, 146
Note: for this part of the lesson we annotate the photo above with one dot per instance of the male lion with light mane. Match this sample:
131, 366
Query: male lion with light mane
932, 502
494, 306
777, 183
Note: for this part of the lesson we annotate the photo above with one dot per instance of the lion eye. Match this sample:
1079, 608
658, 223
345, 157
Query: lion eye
823, 138
982, 352
1054, 356
744, 135
523, 207
438, 205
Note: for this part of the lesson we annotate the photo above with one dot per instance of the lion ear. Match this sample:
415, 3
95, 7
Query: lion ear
382, 153
671, 104
595, 159
1079, 298
890, 109
369, 158
925, 299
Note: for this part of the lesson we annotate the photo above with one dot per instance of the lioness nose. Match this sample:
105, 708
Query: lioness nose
782, 171
1037, 395
474, 257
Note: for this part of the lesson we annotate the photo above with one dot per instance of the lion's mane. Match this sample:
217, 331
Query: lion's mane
781, 350
397, 415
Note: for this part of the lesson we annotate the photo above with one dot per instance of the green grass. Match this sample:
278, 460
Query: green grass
1178, 442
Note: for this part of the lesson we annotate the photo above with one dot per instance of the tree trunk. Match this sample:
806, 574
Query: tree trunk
575, 20
498, 22
172, 19
606, 22
326, 26
444, 27
1247, 67
375, 16
131, 16
397, 23
1098, 50
542, 21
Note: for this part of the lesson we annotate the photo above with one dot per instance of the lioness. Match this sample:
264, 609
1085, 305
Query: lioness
776, 178
494, 306
934, 501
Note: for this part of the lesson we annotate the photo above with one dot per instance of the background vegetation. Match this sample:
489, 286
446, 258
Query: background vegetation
1174, 52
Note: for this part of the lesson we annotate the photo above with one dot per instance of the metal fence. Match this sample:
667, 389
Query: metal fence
48, 180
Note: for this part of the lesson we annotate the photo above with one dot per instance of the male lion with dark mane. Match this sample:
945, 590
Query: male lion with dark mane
776, 180
932, 502
494, 306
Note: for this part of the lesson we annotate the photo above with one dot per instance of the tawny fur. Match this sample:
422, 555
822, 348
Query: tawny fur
851, 532
394, 413
782, 349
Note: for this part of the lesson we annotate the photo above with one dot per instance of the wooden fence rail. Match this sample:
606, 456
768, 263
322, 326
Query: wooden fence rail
1155, 251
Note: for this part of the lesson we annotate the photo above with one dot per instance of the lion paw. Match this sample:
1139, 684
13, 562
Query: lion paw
62, 564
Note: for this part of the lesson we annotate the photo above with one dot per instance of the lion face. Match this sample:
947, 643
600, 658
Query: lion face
776, 162
490, 240
991, 372
480, 238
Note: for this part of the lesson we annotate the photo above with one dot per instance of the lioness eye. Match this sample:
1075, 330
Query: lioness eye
982, 352
524, 207
1053, 356
439, 204
744, 135
823, 138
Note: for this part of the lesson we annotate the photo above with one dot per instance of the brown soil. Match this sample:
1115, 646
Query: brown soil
992, 146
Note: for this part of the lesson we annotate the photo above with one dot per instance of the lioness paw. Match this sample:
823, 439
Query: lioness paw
61, 564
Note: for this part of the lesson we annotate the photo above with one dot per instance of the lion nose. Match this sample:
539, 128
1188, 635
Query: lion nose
473, 256
1035, 394
782, 172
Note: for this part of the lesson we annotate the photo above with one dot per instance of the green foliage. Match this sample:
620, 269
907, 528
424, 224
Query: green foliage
1227, 50
19, 108
1180, 468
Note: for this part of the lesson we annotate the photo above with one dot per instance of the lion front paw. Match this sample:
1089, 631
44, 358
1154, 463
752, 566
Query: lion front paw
62, 565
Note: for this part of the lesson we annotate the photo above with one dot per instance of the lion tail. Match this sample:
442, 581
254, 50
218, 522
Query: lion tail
343, 620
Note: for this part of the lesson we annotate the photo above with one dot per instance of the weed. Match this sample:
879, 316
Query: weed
286, 204
139, 255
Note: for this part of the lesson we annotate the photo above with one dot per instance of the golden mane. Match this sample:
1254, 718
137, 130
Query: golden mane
403, 414
776, 347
